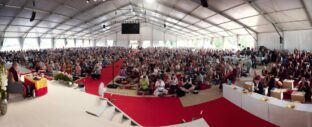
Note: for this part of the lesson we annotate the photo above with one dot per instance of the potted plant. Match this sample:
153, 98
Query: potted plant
3, 89
64, 77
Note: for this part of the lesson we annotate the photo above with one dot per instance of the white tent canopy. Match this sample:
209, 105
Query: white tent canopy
77, 19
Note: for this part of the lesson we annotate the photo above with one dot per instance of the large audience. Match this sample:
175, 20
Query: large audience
294, 66
75, 61
163, 71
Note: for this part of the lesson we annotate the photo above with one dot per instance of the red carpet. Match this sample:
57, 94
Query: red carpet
150, 111
91, 85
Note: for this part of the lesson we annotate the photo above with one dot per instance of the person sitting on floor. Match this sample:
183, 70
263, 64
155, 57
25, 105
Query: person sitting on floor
258, 85
97, 72
173, 82
304, 86
15, 85
77, 70
144, 84
123, 72
160, 88
271, 84
186, 88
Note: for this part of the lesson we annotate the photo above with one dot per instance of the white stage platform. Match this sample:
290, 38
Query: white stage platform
273, 110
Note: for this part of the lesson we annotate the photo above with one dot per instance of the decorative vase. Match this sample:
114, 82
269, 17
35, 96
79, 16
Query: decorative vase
3, 107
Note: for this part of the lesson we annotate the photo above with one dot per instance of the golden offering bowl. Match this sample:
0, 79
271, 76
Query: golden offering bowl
245, 91
264, 99
291, 106
234, 88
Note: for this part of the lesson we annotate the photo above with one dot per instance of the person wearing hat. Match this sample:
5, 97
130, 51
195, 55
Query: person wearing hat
258, 85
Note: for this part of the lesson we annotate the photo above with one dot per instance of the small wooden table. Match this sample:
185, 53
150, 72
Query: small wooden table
298, 96
41, 85
249, 86
288, 84
278, 93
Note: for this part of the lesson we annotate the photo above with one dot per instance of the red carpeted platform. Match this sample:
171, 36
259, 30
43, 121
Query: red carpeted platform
150, 111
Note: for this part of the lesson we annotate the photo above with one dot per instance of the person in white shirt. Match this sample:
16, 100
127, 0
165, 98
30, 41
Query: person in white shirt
173, 81
160, 88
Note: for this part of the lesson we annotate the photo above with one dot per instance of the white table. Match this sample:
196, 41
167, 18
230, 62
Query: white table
273, 110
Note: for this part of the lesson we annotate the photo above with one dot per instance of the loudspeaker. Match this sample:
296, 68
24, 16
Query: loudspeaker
33, 16
281, 40
204, 3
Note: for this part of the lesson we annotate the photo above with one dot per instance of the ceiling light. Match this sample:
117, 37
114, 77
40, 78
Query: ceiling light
87, 1
94, 0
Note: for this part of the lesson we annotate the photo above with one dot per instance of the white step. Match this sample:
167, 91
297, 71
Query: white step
118, 118
109, 113
99, 108
126, 122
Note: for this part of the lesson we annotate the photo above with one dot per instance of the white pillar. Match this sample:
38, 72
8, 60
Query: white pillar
66, 42
1, 41
82, 42
53, 43
21, 42
152, 40
39, 42
75, 42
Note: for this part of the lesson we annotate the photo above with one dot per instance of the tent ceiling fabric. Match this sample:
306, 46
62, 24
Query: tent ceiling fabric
185, 18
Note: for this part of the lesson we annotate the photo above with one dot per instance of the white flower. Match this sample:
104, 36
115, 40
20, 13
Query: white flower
5, 101
4, 88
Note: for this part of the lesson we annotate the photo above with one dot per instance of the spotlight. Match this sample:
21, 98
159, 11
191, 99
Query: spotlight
94, 0
104, 26
87, 1
33, 16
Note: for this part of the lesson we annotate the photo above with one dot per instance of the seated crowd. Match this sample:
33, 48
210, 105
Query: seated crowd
162, 71
75, 61
78, 62
291, 66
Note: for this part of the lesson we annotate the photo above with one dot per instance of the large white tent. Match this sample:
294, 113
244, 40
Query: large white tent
173, 23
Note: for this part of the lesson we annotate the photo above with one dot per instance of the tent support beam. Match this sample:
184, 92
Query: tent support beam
306, 10
268, 18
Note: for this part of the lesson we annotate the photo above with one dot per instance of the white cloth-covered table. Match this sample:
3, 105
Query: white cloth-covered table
273, 110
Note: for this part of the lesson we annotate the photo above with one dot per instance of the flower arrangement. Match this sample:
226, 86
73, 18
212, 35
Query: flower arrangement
3, 89
64, 77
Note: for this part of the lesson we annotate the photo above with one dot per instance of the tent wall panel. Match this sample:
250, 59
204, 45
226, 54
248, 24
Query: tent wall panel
269, 40
298, 40
301, 40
